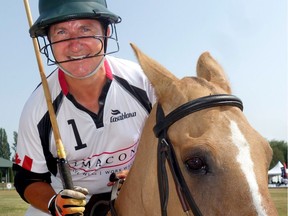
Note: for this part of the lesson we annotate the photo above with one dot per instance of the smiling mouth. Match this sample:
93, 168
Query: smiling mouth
74, 58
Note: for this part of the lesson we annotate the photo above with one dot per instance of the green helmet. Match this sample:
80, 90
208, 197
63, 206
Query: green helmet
55, 11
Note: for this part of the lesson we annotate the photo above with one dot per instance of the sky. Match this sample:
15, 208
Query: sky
248, 38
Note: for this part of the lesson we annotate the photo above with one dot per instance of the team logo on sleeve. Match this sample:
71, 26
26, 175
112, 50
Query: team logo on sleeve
119, 116
26, 162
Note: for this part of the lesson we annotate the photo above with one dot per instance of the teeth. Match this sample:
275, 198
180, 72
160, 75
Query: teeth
77, 57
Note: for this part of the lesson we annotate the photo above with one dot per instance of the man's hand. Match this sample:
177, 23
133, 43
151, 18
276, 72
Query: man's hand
116, 176
68, 202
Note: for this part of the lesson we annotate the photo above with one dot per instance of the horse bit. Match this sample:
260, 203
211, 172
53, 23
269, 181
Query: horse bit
166, 151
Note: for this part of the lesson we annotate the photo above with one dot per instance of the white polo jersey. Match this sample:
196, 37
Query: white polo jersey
96, 145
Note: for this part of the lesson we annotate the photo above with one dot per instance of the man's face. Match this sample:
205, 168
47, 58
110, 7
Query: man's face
74, 40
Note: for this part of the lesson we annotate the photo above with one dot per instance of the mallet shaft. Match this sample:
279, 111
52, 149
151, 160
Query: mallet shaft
63, 166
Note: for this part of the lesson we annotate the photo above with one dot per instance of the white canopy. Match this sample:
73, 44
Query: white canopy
276, 170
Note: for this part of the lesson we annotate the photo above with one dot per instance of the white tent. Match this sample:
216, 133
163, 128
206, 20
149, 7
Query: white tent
276, 170
274, 174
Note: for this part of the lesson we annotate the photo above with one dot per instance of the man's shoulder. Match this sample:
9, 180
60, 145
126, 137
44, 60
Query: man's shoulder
124, 64
118, 59
36, 102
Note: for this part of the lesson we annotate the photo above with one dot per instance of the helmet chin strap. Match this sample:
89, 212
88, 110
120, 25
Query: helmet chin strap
88, 75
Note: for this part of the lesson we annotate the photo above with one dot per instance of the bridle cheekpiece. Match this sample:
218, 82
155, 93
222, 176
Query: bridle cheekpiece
166, 151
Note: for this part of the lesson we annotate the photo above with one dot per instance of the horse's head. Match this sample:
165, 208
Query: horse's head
224, 161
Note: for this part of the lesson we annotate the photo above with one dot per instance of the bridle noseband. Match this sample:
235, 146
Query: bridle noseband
166, 150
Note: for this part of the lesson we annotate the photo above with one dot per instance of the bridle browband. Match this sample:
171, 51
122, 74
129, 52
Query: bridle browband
166, 150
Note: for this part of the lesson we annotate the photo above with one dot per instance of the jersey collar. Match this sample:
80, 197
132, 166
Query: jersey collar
63, 82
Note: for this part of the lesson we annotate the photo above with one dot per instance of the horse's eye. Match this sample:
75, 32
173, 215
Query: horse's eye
196, 165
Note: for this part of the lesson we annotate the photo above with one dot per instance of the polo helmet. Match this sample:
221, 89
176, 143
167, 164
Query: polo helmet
56, 11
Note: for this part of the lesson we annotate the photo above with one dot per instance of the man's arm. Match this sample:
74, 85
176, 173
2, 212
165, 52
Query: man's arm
39, 194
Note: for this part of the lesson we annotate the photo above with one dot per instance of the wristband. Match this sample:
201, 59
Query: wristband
51, 205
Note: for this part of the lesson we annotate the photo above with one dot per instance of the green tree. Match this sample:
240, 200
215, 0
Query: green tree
279, 152
4, 145
14, 145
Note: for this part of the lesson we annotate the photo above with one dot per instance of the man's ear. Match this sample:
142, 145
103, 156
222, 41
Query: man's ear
108, 30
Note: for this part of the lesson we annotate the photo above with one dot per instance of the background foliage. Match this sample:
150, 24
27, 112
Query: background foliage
279, 152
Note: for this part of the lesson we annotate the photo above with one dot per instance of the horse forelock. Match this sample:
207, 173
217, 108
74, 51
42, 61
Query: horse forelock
202, 82
180, 92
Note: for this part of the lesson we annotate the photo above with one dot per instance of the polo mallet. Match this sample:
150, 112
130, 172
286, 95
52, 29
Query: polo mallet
62, 162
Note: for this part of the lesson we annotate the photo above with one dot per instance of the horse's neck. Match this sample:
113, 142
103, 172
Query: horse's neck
141, 184
140, 191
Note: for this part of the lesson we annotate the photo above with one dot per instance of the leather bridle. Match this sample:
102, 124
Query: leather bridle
166, 150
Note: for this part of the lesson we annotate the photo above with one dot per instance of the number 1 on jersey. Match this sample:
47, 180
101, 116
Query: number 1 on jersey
80, 145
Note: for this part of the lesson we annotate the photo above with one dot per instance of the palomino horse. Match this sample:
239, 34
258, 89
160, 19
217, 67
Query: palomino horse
220, 162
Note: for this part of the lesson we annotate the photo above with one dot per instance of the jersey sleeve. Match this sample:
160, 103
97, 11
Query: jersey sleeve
133, 73
29, 153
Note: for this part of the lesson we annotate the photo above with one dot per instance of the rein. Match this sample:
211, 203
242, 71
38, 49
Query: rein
166, 150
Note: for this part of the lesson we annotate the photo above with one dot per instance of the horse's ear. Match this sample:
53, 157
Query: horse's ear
209, 69
158, 75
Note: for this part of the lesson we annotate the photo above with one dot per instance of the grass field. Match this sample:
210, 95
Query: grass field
279, 196
12, 205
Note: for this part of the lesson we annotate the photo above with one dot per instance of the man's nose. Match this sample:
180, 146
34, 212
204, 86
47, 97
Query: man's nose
75, 45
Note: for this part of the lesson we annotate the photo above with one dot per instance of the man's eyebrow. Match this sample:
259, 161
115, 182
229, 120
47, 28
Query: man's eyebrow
57, 27
87, 25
